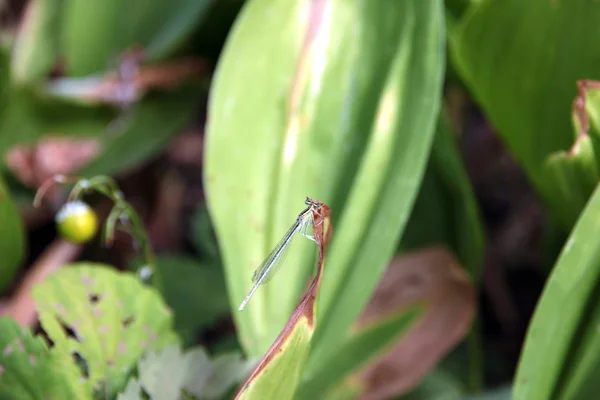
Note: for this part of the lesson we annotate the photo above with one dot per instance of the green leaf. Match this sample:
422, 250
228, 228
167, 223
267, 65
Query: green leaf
437, 385
196, 293
335, 119
114, 317
36, 46
203, 236
446, 209
30, 371
521, 61
27, 118
556, 361
118, 26
170, 373
12, 237
184, 17
147, 130
357, 350
575, 175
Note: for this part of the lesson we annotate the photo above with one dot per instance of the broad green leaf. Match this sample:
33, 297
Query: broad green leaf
12, 237
279, 372
30, 371
146, 131
373, 218
96, 33
194, 291
114, 317
36, 46
171, 373
185, 16
557, 359
522, 60
446, 210
27, 118
330, 117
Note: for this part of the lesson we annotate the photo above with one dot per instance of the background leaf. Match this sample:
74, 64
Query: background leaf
446, 209
118, 26
12, 237
521, 61
194, 291
30, 371
114, 317
565, 321
148, 128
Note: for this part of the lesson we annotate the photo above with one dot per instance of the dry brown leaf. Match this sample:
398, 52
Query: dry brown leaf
434, 278
36, 163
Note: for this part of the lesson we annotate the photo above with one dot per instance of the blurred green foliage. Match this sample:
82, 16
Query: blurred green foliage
338, 100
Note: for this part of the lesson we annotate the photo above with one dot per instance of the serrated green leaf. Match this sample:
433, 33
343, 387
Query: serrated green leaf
521, 60
12, 237
566, 321
170, 374
132, 391
30, 371
114, 317
333, 118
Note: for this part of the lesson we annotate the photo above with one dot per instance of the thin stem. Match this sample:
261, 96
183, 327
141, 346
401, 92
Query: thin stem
121, 210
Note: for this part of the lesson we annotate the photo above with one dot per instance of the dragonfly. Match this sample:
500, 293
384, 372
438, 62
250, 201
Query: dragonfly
269, 267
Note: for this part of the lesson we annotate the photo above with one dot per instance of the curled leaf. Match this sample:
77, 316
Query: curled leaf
278, 374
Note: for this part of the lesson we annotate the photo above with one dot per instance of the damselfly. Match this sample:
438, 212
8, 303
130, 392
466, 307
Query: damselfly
265, 272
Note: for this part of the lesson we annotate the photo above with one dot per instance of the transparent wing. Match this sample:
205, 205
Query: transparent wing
269, 267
